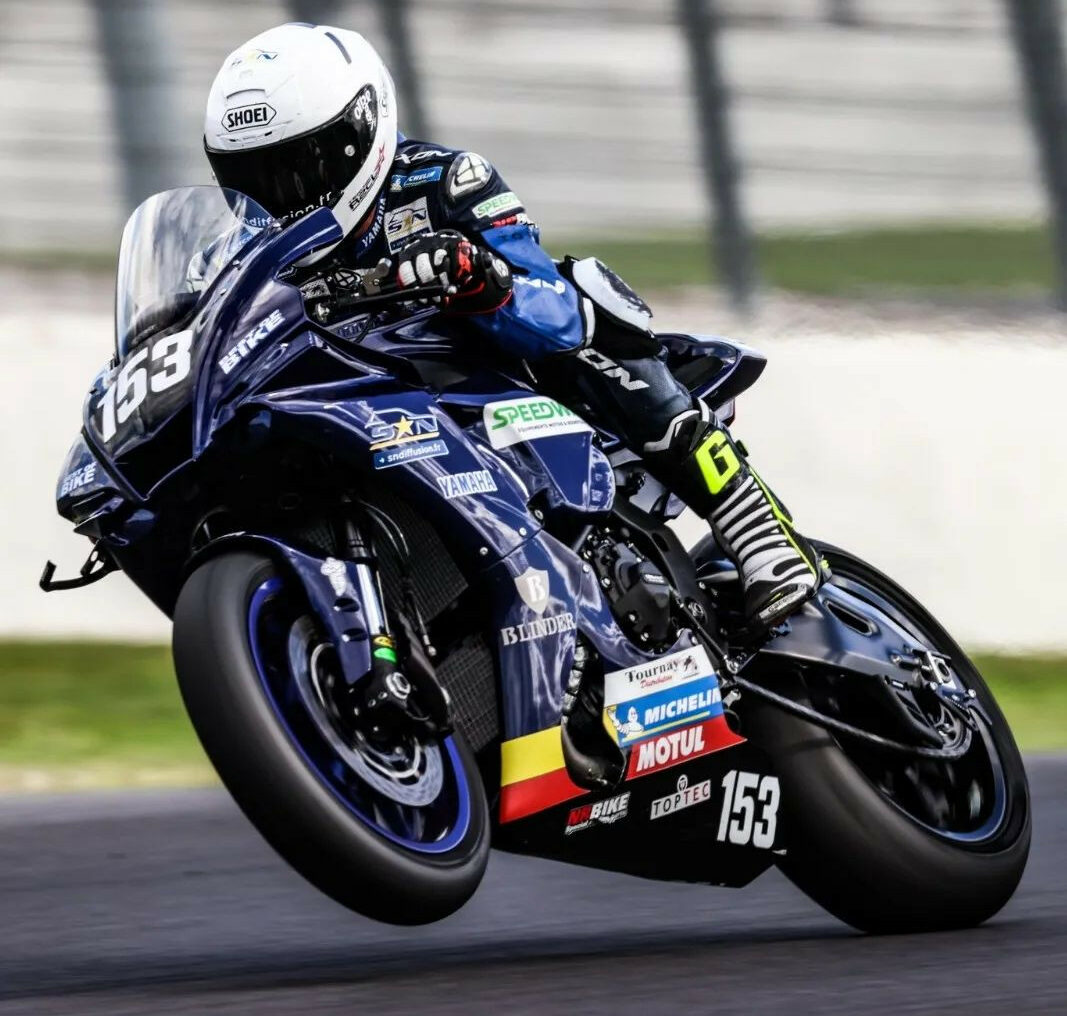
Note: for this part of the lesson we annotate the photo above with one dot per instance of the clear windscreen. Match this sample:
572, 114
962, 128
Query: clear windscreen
174, 245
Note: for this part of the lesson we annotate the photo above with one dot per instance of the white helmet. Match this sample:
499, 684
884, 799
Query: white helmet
303, 116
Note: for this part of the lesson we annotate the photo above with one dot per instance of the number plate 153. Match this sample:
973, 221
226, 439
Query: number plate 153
749, 809
169, 361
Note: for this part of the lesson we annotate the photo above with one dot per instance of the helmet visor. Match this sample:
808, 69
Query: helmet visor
303, 173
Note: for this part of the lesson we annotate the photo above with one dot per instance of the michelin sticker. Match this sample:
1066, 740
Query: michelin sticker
674, 691
528, 419
676, 707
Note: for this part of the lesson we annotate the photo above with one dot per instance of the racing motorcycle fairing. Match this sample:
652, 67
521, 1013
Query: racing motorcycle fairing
484, 460
713, 368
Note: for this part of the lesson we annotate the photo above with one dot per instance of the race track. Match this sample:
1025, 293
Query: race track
170, 904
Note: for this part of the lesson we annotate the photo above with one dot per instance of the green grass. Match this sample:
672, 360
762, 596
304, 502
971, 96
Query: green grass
1032, 692
99, 714
929, 257
75, 714
923, 258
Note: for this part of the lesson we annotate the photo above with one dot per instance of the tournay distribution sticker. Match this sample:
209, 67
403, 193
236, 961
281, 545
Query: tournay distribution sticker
657, 675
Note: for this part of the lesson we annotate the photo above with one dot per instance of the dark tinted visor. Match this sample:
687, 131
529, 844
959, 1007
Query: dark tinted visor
303, 173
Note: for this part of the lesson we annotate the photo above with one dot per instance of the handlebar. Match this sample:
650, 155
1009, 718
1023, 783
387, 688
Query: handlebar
372, 293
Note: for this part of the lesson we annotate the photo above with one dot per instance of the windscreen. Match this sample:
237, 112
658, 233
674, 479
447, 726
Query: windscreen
174, 245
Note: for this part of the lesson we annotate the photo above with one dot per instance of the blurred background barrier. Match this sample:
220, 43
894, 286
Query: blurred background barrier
843, 112
935, 452
887, 184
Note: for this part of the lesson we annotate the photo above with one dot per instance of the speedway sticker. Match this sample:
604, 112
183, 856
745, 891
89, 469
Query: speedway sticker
506, 202
641, 718
608, 812
685, 797
657, 675
527, 419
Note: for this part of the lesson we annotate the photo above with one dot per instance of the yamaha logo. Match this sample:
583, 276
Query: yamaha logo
258, 115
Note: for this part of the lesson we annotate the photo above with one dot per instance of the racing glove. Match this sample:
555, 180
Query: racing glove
479, 281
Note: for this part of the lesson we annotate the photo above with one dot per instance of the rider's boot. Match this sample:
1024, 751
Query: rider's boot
620, 375
698, 460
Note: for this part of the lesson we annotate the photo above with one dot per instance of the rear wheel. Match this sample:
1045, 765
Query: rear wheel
398, 829
885, 841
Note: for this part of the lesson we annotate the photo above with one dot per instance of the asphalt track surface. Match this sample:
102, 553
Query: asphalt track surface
170, 904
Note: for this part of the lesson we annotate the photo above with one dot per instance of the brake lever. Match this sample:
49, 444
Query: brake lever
395, 294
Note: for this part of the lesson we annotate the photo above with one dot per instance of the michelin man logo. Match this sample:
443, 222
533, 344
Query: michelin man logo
337, 575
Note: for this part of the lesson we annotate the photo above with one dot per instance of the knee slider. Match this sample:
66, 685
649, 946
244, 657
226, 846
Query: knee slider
617, 321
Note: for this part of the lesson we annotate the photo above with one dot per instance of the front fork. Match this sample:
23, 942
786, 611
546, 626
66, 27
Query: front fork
389, 696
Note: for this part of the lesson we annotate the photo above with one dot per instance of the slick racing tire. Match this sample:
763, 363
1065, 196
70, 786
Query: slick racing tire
854, 844
321, 818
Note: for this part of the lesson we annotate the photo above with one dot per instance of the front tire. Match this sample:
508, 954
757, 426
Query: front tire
271, 776
861, 855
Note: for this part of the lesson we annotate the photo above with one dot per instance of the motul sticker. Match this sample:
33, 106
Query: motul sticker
680, 746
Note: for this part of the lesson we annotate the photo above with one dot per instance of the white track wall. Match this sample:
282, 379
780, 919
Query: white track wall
942, 460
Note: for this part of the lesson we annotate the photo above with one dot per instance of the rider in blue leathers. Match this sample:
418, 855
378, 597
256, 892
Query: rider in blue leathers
446, 215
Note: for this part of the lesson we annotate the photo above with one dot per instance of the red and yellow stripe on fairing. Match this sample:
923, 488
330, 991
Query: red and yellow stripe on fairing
533, 775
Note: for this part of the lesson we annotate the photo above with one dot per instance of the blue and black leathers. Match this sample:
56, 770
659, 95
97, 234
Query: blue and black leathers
586, 337
545, 318
542, 316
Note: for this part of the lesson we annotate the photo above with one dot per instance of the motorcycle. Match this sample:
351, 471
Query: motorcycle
420, 608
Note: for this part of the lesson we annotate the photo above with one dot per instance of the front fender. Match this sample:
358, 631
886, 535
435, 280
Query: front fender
332, 593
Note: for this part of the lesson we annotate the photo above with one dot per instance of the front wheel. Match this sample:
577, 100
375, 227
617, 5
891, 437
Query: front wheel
888, 842
398, 832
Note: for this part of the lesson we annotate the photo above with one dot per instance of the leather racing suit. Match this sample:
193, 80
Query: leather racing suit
585, 334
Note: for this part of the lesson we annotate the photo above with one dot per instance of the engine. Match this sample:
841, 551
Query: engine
639, 594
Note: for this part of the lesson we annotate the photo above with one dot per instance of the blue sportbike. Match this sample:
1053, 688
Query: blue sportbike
419, 609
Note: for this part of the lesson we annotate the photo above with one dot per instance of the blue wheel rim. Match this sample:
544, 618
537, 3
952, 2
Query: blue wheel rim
450, 810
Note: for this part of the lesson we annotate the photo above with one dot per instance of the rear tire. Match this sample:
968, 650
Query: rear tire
860, 856
278, 790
